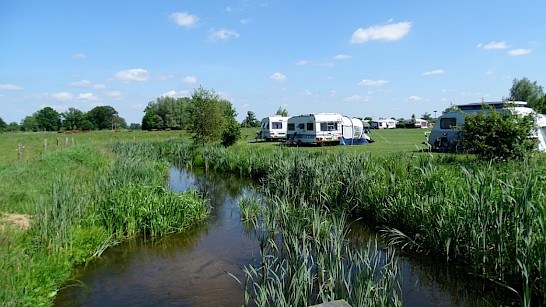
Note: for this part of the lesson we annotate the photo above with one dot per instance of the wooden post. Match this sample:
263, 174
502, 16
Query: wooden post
20, 151
66, 141
57, 141
72, 141
45, 144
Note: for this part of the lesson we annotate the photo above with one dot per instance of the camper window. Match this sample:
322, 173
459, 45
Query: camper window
277, 125
448, 122
301, 126
310, 126
291, 127
328, 126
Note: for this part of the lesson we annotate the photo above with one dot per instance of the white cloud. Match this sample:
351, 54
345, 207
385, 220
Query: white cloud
190, 80
130, 75
10, 87
494, 45
303, 62
245, 21
222, 34
306, 93
113, 94
63, 96
81, 83
342, 57
184, 19
518, 52
414, 98
356, 98
79, 56
87, 96
434, 72
175, 94
278, 77
367, 82
390, 32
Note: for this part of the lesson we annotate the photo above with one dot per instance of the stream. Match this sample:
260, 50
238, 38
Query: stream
191, 269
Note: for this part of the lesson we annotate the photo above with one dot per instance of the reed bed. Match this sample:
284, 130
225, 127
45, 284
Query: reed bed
490, 216
306, 259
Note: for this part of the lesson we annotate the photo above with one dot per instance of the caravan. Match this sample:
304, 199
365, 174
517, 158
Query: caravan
273, 128
447, 127
320, 128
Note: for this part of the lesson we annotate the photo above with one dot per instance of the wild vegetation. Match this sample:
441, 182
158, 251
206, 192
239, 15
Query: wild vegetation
64, 205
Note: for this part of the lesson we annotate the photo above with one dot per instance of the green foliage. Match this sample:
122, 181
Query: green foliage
496, 135
281, 111
165, 112
530, 92
105, 117
73, 119
3, 125
47, 119
250, 121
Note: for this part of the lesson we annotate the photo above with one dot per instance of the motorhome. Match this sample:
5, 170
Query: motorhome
319, 128
383, 124
448, 125
353, 132
273, 128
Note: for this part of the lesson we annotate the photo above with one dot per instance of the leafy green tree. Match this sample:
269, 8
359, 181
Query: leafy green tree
496, 135
170, 110
72, 119
250, 121
210, 118
531, 92
48, 119
135, 126
13, 127
282, 111
426, 116
29, 123
104, 117
152, 120
3, 125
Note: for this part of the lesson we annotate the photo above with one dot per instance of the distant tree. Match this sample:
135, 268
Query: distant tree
210, 119
72, 119
3, 125
250, 121
171, 111
13, 127
368, 118
531, 92
86, 125
48, 119
497, 136
282, 111
104, 117
152, 120
29, 123
426, 116
135, 126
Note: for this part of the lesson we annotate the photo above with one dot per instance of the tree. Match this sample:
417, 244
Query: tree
29, 123
531, 92
135, 126
152, 120
104, 117
427, 116
3, 125
210, 119
48, 119
494, 135
13, 127
72, 119
281, 111
250, 121
170, 110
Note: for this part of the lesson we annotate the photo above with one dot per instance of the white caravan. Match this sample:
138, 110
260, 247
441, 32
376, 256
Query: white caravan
353, 132
446, 128
273, 128
320, 128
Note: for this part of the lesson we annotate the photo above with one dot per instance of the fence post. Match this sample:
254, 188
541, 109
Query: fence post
66, 141
72, 141
57, 141
20, 151
45, 144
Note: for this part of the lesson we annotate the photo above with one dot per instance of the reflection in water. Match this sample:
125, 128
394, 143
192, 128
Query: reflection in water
190, 269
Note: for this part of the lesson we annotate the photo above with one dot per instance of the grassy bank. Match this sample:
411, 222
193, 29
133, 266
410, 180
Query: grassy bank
62, 205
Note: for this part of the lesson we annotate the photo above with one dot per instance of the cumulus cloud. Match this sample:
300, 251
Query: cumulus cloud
79, 56
434, 72
494, 45
306, 93
113, 94
190, 80
367, 82
278, 76
303, 62
389, 32
414, 98
87, 96
518, 52
10, 87
63, 96
222, 34
130, 75
342, 57
81, 83
183, 19
356, 98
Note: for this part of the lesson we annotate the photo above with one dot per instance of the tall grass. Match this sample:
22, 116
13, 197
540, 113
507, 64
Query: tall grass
306, 259
490, 216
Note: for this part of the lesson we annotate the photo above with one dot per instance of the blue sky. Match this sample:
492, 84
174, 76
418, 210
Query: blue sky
358, 58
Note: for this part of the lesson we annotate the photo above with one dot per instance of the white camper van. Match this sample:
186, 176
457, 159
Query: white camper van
320, 128
446, 129
273, 128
